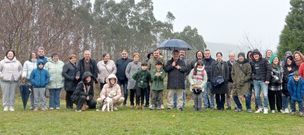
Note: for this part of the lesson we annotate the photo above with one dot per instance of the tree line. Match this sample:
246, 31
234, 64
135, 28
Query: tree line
71, 26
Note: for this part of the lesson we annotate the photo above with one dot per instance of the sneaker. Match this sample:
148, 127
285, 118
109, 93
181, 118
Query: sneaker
97, 110
292, 113
301, 114
132, 106
5, 109
249, 110
286, 110
259, 110
51, 108
43, 109
35, 109
272, 111
57, 108
162, 107
238, 110
77, 110
115, 108
265, 111
11, 109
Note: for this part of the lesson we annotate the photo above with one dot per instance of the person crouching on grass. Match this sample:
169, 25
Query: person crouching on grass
296, 91
84, 93
142, 79
39, 79
198, 80
110, 90
158, 75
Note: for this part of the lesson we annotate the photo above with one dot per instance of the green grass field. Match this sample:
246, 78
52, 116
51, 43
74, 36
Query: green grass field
126, 121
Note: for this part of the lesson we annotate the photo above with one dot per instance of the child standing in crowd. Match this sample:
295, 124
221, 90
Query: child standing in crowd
198, 80
296, 90
142, 79
131, 69
39, 80
275, 85
158, 76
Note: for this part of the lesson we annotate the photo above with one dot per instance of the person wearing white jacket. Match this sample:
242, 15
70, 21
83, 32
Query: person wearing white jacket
28, 67
10, 72
105, 68
198, 80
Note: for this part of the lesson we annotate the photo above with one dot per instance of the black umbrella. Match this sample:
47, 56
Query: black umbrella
174, 44
25, 93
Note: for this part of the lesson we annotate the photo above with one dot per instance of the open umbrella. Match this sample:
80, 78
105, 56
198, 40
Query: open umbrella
174, 44
25, 93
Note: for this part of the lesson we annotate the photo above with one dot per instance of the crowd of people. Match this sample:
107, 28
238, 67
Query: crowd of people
275, 84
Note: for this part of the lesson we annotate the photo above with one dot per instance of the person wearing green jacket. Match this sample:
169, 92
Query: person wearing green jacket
55, 68
157, 75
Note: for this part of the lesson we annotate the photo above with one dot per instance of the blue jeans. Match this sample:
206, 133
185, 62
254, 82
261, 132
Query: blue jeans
293, 106
124, 91
285, 101
175, 99
208, 97
259, 87
247, 101
54, 97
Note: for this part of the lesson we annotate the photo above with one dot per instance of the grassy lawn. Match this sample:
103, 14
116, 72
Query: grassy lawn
126, 121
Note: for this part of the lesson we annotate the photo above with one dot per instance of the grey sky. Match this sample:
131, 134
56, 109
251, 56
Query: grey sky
228, 21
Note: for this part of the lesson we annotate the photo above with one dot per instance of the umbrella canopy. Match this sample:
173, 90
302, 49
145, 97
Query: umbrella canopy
174, 44
25, 93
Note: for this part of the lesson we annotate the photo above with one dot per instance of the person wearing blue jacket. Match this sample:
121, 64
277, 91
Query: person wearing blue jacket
39, 80
296, 91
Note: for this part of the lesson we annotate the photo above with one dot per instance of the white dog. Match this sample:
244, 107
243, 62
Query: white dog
108, 102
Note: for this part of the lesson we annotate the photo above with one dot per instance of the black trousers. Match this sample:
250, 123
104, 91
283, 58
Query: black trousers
140, 96
68, 99
275, 99
132, 96
220, 101
82, 100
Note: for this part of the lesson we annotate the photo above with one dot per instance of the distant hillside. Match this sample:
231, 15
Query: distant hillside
225, 49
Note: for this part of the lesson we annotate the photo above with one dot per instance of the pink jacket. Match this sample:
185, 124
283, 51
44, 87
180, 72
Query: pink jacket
107, 90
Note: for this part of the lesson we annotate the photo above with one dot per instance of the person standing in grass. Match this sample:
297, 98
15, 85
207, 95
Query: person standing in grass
198, 81
289, 68
220, 77
131, 69
158, 75
71, 78
121, 65
176, 69
39, 80
142, 78
110, 90
275, 86
55, 67
105, 68
83, 96
10, 73
230, 63
208, 95
296, 90
241, 76
28, 67
261, 70
87, 64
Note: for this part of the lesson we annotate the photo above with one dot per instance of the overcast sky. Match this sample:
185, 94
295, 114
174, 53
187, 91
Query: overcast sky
229, 21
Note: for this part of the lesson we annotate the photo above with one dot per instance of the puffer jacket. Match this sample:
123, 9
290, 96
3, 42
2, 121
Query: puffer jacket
105, 69
39, 77
296, 89
208, 67
261, 69
158, 81
28, 67
131, 69
107, 89
198, 79
10, 70
55, 71
69, 73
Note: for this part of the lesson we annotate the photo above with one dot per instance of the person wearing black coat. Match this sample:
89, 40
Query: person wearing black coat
219, 78
208, 97
83, 96
289, 67
261, 75
87, 64
176, 70
121, 65
71, 78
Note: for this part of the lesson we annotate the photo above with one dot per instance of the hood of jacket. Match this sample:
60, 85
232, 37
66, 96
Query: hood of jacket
111, 76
